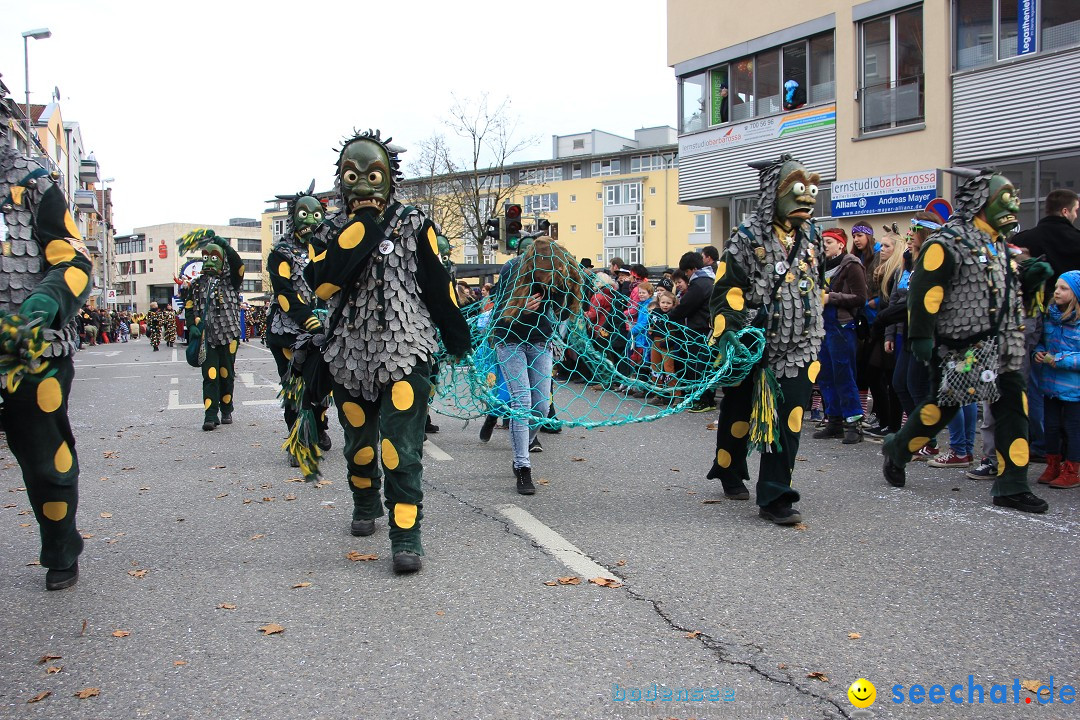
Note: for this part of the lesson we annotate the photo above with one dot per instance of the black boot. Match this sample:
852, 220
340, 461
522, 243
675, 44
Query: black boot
834, 428
325, 443
406, 562
226, 417
487, 427
780, 513
60, 579
852, 432
524, 481
430, 427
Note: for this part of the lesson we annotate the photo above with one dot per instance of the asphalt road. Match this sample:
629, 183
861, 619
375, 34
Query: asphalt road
195, 541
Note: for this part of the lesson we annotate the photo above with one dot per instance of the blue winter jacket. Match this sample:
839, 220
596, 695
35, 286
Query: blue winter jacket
1062, 340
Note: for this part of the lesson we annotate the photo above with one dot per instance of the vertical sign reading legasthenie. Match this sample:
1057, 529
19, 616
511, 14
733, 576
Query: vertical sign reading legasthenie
1025, 26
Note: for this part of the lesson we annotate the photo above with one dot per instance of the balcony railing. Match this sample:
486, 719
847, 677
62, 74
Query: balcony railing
892, 104
88, 172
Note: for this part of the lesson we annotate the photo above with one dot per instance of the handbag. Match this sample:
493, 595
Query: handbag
969, 374
195, 354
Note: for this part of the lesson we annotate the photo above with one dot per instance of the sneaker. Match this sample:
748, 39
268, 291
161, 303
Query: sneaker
60, 579
325, 443
1024, 502
535, 446
703, 406
894, 474
430, 427
985, 470
209, 425
737, 493
406, 562
487, 427
926, 453
876, 433
361, 528
780, 513
949, 459
226, 417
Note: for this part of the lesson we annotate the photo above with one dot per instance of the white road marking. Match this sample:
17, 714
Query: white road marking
174, 354
174, 381
435, 452
259, 402
248, 380
174, 402
563, 550
126, 377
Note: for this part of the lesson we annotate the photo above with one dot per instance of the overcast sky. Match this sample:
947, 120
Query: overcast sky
203, 110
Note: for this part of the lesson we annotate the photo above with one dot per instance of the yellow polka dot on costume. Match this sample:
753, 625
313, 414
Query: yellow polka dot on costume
58, 251
932, 299
207, 403
916, 443
718, 325
224, 372
930, 414
49, 396
364, 455
453, 295
1018, 452
284, 270
404, 515
491, 379
723, 458
739, 429
354, 414
389, 455
1000, 462
62, 460
813, 370
351, 236
360, 482
240, 271
312, 254
794, 419
283, 302
72, 228
232, 346
55, 511
76, 280
287, 352
932, 257
735, 298
211, 373
433, 240
1023, 402
226, 399
402, 395
189, 304
326, 290
721, 270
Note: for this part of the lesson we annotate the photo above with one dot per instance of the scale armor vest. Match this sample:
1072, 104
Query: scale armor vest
22, 267
386, 329
280, 322
794, 338
222, 324
965, 308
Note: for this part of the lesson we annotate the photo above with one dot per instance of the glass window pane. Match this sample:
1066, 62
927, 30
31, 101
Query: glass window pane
909, 44
741, 92
767, 79
974, 33
1060, 24
822, 72
693, 102
1022, 176
1008, 12
876, 51
794, 76
1058, 174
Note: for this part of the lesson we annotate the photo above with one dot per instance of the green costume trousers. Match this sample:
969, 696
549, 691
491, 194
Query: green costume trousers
386, 438
38, 432
282, 357
732, 438
1010, 431
218, 379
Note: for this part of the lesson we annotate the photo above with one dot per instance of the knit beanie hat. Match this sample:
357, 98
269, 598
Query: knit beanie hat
1072, 279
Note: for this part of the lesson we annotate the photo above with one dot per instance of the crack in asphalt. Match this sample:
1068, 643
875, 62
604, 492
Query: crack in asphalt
723, 651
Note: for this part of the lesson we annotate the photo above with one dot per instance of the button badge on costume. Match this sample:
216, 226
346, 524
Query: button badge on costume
386, 247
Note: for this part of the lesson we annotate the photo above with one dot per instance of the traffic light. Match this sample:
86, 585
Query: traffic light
544, 226
512, 229
494, 231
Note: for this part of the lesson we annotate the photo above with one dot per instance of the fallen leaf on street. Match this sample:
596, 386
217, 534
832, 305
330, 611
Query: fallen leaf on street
714, 501
10, 505
543, 481
88, 693
570, 580
268, 499
54, 669
801, 459
256, 537
800, 526
357, 557
83, 631
782, 666
39, 697
692, 635
247, 501
217, 467
675, 470
272, 629
106, 515
218, 497
440, 613
33, 563
578, 459
25, 512
1032, 686
290, 497
620, 563
226, 606
48, 658
178, 663
605, 582
818, 676
129, 467
551, 582
299, 480
24, 524
853, 636
111, 453
323, 483
144, 487
301, 585
121, 633
711, 426
138, 573
87, 536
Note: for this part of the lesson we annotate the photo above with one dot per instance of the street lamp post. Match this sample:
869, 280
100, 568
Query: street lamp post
37, 34
105, 249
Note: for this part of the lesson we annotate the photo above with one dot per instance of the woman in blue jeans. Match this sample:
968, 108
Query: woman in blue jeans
535, 292
845, 293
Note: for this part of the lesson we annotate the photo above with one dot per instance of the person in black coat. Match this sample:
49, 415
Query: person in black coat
693, 312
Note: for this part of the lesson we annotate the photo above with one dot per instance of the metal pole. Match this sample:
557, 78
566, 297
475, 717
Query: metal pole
26, 70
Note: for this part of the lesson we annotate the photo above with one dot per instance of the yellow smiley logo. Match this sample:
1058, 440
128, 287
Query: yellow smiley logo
862, 693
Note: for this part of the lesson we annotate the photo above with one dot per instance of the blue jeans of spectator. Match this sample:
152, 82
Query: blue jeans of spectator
837, 377
911, 378
962, 429
527, 370
1062, 418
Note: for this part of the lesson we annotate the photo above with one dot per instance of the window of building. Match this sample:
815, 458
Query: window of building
253, 266
741, 90
131, 245
251, 286
620, 193
701, 222
652, 223
991, 30
630, 255
539, 176
767, 83
891, 86
599, 196
246, 245
741, 207
279, 229
793, 72
606, 167
822, 69
621, 225
573, 198
575, 170
644, 163
579, 144
573, 228
652, 190
693, 99
546, 202
599, 226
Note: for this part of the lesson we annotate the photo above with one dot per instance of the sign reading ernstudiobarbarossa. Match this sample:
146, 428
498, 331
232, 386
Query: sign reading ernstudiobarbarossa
901, 192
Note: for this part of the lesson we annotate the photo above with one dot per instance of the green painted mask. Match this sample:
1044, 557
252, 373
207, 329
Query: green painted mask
307, 215
444, 244
213, 259
1000, 211
364, 176
796, 195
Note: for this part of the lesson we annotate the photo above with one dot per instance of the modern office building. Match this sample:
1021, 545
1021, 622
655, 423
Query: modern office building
878, 97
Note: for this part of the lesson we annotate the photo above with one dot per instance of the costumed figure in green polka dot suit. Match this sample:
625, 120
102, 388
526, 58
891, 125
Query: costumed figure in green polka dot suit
377, 265
966, 321
44, 280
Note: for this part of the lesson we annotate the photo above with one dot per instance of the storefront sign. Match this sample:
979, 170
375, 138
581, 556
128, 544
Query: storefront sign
755, 131
1025, 26
902, 192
